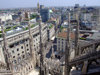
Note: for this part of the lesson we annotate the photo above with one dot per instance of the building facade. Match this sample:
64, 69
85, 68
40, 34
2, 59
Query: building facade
50, 32
45, 14
19, 48
86, 17
62, 42
5, 17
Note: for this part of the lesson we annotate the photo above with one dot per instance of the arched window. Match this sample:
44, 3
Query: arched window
15, 61
23, 56
19, 59
15, 68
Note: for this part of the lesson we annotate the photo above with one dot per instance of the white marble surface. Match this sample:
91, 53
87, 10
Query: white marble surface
2, 59
34, 72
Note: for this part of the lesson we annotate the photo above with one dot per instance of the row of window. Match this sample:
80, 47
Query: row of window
18, 48
35, 35
17, 43
27, 69
18, 54
62, 42
19, 59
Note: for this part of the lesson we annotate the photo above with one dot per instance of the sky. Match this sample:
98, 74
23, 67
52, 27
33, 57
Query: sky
33, 3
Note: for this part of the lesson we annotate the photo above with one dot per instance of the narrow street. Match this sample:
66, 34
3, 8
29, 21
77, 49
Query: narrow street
48, 50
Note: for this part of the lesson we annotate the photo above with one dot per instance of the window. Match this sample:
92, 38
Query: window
59, 48
11, 46
17, 43
62, 49
13, 51
28, 53
31, 66
27, 45
21, 41
23, 56
27, 49
13, 56
15, 68
34, 40
17, 49
15, 61
19, 58
22, 51
21, 47
18, 54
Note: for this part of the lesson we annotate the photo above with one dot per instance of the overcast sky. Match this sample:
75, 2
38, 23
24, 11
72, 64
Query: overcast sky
33, 3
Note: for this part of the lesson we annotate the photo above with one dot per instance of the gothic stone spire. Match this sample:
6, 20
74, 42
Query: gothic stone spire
67, 48
53, 54
7, 54
42, 70
31, 42
77, 37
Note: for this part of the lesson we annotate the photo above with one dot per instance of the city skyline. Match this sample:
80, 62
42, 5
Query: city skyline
33, 3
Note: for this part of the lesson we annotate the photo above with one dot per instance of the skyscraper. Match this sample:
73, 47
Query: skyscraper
76, 6
45, 14
41, 7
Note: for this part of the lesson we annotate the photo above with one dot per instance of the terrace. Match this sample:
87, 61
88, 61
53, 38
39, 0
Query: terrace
16, 29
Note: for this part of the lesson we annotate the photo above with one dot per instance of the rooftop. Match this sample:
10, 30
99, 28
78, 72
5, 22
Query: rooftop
64, 35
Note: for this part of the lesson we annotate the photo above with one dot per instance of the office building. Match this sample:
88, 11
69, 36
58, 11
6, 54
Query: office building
45, 14
85, 16
61, 41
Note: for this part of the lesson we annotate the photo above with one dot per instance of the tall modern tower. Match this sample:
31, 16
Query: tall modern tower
45, 14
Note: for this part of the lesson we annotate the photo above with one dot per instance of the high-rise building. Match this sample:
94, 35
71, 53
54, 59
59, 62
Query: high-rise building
76, 6
45, 14
38, 7
26, 15
41, 7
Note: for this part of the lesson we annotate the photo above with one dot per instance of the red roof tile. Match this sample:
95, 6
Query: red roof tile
64, 35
